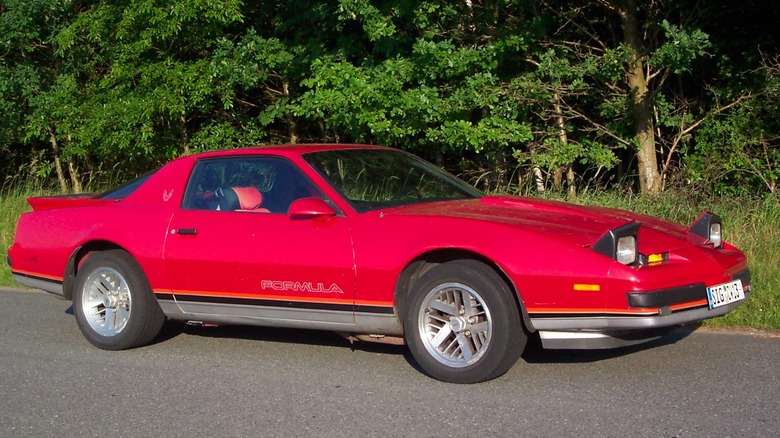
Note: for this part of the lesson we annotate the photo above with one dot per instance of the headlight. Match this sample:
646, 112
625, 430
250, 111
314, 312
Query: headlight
619, 243
708, 226
715, 236
626, 250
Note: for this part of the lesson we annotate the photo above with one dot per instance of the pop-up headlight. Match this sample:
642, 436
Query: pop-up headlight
619, 243
626, 250
708, 226
715, 236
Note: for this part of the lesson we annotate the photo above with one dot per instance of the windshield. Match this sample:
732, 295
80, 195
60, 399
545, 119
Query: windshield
370, 179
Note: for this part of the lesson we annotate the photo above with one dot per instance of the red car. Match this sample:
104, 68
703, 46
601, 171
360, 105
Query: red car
371, 241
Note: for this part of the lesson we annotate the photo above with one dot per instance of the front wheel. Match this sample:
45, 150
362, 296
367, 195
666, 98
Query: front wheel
113, 303
462, 324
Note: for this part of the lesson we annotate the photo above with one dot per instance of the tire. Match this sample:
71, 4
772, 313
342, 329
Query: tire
462, 324
113, 302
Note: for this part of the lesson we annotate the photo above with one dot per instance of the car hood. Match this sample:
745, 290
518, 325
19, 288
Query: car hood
575, 224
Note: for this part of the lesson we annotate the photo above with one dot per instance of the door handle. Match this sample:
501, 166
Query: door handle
186, 231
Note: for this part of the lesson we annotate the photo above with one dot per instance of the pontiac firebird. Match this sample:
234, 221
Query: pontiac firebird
366, 240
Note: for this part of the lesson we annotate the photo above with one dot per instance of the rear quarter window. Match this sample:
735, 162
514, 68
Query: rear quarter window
124, 190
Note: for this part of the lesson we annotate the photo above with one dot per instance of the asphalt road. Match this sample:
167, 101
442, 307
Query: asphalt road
251, 382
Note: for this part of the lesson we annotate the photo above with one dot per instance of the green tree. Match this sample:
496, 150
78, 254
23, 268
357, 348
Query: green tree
144, 76
31, 81
591, 92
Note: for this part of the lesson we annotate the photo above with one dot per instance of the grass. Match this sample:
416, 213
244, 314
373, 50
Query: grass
751, 225
12, 204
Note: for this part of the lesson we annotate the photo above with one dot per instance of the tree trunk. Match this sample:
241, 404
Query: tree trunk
57, 163
292, 124
185, 135
73, 171
539, 179
563, 138
572, 188
640, 100
558, 178
74, 177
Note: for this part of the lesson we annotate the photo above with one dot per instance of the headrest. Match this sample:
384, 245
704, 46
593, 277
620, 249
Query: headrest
249, 198
239, 198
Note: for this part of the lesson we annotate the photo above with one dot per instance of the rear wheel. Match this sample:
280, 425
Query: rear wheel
113, 303
462, 324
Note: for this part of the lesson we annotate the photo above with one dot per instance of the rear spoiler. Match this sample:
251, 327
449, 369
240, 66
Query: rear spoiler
64, 201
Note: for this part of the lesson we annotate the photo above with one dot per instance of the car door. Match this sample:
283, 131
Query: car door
245, 261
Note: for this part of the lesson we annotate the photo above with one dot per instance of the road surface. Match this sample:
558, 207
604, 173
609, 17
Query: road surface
230, 381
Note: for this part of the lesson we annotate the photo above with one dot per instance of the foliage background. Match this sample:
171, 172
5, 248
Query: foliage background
515, 95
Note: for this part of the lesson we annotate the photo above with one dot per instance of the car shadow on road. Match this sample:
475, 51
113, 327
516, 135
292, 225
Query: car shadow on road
172, 330
534, 353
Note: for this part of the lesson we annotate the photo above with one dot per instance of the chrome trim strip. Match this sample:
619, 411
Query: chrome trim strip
265, 312
300, 318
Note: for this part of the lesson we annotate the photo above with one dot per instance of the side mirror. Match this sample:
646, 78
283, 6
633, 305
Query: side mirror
315, 208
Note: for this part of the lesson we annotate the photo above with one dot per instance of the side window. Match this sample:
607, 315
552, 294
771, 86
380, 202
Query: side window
254, 184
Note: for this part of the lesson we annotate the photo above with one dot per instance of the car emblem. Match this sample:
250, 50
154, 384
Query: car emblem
300, 286
167, 195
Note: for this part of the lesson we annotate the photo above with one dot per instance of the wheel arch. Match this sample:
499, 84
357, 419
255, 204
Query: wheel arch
422, 263
77, 259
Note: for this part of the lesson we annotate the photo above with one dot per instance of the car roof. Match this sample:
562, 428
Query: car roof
284, 150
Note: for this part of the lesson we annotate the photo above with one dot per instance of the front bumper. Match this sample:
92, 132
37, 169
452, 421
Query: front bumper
678, 295
598, 332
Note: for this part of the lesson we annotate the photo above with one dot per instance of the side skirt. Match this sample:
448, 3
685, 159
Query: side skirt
44, 284
267, 313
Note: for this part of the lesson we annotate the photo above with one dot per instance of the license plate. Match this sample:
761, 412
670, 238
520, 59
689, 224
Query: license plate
726, 293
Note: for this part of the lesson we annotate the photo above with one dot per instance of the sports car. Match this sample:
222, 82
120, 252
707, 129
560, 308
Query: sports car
376, 244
